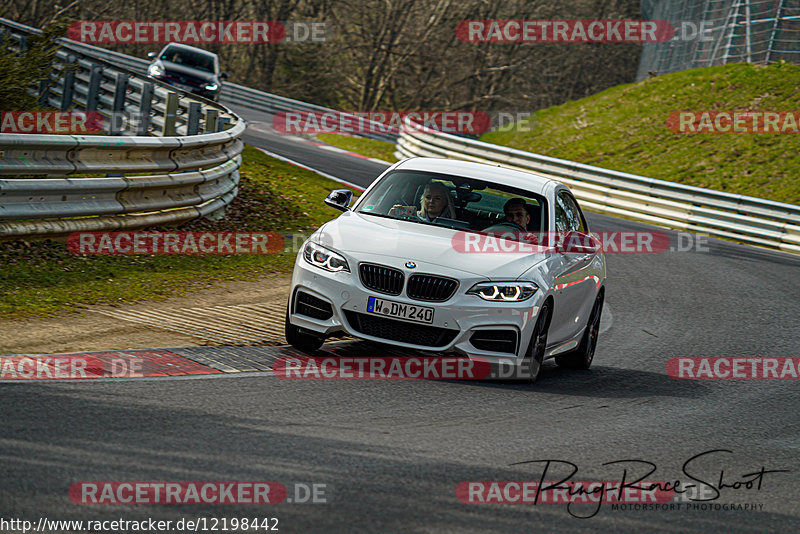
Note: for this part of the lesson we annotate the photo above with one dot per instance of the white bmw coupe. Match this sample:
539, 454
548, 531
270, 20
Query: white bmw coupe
452, 256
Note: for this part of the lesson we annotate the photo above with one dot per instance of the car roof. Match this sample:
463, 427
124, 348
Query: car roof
187, 47
479, 171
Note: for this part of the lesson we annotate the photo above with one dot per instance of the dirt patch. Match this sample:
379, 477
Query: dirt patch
90, 331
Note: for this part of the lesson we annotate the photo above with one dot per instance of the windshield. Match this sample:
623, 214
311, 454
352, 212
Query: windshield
454, 202
189, 58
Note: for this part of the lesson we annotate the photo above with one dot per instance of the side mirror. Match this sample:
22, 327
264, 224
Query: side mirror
339, 199
579, 243
151, 55
223, 75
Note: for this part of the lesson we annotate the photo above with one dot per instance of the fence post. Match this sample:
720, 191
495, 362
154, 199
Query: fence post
223, 123
170, 115
120, 90
69, 84
193, 120
44, 92
211, 121
145, 108
94, 88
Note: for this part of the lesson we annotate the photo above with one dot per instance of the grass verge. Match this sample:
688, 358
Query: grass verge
624, 128
43, 278
361, 145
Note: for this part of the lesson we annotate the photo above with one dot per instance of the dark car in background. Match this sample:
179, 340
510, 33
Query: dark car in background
189, 69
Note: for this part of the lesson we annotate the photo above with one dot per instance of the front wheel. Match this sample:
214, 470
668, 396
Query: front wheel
535, 355
300, 339
581, 357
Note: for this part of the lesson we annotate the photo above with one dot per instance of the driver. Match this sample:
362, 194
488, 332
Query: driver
516, 212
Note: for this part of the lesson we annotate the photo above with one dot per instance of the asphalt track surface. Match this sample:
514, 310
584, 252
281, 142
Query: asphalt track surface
392, 452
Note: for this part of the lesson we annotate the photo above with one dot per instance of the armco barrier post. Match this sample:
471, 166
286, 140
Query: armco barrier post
170, 115
120, 91
193, 120
44, 92
69, 83
145, 108
211, 121
223, 123
94, 88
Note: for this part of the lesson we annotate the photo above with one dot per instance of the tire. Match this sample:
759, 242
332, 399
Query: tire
581, 357
536, 348
299, 339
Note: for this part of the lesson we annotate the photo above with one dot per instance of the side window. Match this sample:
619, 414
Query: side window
572, 213
562, 219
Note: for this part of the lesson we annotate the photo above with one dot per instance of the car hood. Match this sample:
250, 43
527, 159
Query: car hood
367, 237
174, 68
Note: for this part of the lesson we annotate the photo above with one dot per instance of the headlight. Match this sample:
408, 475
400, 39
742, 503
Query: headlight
212, 87
323, 258
504, 291
155, 70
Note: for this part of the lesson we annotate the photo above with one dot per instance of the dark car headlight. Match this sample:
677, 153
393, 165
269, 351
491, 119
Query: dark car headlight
212, 86
503, 291
324, 258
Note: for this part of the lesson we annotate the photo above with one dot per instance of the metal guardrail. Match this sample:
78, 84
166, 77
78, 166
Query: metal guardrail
749, 219
47, 185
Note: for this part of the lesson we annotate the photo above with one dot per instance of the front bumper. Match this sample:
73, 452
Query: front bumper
459, 318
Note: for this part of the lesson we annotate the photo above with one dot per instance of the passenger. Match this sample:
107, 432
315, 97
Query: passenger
435, 202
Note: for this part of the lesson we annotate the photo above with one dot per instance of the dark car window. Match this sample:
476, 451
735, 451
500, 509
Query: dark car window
189, 58
568, 215
475, 205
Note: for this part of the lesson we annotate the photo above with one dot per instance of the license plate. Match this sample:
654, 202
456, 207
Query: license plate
409, 312
183, 87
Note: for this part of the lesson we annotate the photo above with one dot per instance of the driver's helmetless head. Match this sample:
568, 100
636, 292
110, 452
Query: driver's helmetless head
434, 199
515, 212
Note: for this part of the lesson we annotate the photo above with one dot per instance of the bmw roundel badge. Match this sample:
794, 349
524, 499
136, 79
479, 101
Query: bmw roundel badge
411, 264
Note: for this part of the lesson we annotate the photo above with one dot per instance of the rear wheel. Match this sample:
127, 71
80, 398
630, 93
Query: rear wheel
299, 338
581, 357
535, 355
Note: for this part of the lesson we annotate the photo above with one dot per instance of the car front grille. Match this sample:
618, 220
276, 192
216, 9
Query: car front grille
430, 288
495, 340
402, 331
311, 306
381, 279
